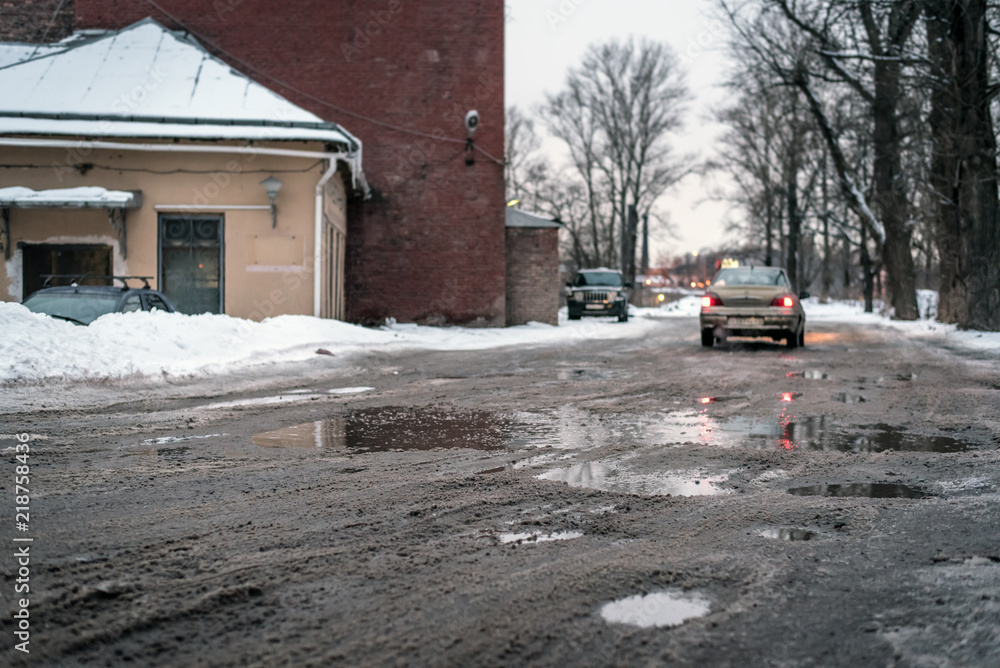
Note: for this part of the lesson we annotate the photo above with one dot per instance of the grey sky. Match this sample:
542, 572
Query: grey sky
547, 37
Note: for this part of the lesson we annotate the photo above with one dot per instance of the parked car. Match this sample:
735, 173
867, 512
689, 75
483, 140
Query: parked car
597, 292
753, 301
83, 304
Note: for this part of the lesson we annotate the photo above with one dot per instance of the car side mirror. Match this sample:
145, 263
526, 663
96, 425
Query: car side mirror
804, 295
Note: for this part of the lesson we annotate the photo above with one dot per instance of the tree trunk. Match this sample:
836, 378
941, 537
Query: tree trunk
964, 169
889, 191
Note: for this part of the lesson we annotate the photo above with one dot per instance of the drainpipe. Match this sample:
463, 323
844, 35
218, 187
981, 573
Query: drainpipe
318, 237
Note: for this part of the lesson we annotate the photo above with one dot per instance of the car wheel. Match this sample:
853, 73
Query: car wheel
623, 316
792, 341
802, 336
707, 338
574, 316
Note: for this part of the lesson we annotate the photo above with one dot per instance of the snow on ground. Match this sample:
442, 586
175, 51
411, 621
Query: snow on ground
37, 348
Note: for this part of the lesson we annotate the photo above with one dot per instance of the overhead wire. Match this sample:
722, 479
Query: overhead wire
316, 99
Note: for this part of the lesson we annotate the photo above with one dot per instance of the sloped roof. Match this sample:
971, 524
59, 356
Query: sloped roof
146, 81
518, 218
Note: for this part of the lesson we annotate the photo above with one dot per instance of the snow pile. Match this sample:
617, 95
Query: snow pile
686, 307
34, 347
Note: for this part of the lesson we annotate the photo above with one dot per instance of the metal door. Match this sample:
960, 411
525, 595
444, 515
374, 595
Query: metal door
191, 267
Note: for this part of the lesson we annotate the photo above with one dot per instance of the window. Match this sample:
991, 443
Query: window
132, 303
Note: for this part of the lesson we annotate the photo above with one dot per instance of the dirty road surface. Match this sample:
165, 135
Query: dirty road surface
636, 502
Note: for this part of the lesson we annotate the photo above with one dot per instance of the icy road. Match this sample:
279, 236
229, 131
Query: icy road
635, 501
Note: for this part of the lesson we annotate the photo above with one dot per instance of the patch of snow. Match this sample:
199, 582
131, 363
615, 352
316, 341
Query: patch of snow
84, 194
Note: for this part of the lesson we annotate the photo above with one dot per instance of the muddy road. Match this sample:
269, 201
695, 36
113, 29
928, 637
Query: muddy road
631, 502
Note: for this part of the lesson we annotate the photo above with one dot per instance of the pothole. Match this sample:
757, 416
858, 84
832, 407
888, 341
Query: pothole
615, 477
864, 490
788, 534
538, 537
396, 429
655, 610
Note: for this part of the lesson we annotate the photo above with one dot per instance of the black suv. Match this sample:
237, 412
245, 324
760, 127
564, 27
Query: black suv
83, 304
597, 292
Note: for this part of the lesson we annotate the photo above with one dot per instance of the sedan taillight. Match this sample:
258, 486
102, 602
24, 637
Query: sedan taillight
783, 301
710, 299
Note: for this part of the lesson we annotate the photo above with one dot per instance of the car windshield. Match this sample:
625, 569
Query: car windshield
84, 307
603, 279
750, 276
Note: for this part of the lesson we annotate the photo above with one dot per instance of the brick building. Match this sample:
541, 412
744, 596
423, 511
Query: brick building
533, 282
429, 244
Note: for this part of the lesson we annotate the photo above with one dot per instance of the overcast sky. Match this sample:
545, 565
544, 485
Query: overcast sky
545, 38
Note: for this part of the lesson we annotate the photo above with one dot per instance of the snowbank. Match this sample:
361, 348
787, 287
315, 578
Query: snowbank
34, 347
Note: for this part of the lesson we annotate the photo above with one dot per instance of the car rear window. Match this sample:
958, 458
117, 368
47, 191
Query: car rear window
80, 306
769, 277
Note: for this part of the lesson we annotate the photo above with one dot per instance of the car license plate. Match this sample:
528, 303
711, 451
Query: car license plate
595, 307
746, 322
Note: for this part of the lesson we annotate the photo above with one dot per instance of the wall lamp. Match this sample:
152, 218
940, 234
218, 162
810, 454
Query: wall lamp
272, 186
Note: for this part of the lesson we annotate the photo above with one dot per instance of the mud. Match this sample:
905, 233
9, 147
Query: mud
485, 508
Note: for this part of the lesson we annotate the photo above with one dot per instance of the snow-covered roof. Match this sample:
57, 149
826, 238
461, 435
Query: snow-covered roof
14, 52
86, 196
518, 218
145, 81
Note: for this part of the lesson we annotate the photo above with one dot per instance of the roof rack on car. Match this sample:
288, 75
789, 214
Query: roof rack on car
76, 278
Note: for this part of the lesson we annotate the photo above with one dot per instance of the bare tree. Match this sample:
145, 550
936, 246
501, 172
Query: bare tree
860, 45
615, 115
964, 164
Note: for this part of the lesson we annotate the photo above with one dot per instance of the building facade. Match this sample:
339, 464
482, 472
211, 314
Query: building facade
135, 152
428, 245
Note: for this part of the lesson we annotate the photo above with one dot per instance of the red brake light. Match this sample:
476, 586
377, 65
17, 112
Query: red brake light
785, 301
710, 299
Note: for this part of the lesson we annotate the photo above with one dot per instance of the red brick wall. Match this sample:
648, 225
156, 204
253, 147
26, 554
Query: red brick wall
533, 284
429, 246
35, 20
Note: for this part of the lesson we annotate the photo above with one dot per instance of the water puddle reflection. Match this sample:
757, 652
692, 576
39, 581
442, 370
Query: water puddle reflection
864, 490
396, 429
614, 476
787, 534
656, 610
538, 537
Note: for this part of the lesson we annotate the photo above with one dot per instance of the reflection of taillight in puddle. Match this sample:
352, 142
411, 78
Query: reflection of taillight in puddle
790, 396
787, 438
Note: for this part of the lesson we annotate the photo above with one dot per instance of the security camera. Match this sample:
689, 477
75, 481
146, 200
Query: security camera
472, 121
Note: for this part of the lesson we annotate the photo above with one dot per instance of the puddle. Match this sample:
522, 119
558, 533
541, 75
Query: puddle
814, 433
659, 609
614, 477
580, 374
166, 440
570, 428
538, 537
864, 490
173, 453
395, 429
810, 374
716, 400
788, 534
790, 396
845, 398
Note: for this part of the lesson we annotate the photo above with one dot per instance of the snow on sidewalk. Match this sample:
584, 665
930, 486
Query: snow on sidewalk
35, 347
38, 348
